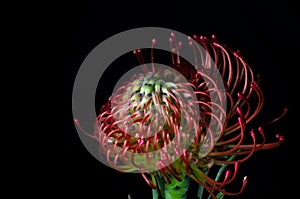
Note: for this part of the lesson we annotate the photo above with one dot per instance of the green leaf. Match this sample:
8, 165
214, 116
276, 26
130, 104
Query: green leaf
220, 195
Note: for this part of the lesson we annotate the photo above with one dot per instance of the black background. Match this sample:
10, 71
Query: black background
264, 34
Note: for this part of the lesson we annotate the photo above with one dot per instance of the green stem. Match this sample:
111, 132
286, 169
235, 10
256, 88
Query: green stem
174, 190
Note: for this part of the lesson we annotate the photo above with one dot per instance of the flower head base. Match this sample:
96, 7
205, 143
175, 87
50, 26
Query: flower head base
178, 121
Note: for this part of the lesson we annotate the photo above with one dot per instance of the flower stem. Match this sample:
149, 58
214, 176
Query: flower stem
172, 190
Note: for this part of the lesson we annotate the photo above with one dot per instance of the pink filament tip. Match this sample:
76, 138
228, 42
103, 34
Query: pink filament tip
245, 180
76, 120
227, 173
153, 41
252, 133
190, 43
236, 165
195, 36
280, 137
240, 120
172, 34
261, 130
214, 38
170, 40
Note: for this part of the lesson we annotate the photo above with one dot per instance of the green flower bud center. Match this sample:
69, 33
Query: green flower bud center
151, 95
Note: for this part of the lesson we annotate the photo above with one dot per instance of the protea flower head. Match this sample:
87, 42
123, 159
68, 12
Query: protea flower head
175, 123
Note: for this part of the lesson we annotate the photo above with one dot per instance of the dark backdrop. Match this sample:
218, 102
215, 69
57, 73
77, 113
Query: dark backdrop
264, 34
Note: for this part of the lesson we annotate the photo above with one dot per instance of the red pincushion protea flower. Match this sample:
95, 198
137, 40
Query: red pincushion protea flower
147, 114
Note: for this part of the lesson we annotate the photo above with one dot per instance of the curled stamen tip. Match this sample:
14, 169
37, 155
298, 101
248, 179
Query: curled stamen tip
227, 173
76, 120
189, 38
172, 34
180, 43
240, 119
237, 54
260, 129
252, 133
236, 164
153, 41
170, 40
214, 38
195, 36
190, 43
245, 180
280, 137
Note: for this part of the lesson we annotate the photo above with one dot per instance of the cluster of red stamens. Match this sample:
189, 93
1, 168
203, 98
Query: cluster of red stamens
145, 99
